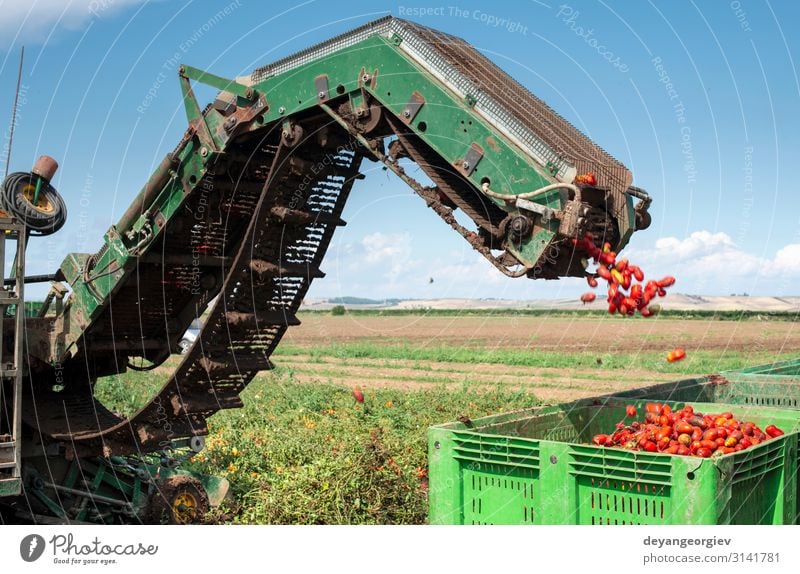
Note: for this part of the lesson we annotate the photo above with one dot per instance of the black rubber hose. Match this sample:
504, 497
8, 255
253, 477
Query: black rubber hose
38, 221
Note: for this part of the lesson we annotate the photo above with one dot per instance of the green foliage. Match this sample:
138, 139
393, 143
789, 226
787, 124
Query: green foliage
338, 310
310, 454
696, 361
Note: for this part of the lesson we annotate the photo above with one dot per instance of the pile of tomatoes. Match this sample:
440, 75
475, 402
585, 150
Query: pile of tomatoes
627, 291
685, 432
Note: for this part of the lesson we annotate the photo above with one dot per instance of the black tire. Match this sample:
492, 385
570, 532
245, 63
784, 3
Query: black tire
180, 499
45, 219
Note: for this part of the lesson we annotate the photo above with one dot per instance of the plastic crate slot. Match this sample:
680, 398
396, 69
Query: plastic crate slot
613, 502
493, 495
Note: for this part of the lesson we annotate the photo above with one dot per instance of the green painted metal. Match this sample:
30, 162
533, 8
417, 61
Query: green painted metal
10, 487
451, 126
445, 121
538, 467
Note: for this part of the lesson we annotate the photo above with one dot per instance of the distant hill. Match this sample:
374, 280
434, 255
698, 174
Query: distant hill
363, 301
673, 301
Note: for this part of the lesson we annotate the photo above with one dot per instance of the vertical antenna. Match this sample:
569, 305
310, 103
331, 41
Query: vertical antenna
14, 109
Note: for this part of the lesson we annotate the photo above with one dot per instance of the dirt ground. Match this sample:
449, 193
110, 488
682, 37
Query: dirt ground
557, 333
572, 335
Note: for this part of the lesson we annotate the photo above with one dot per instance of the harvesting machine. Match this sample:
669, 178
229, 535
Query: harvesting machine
233, 225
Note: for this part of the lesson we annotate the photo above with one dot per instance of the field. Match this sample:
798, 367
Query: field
304, 451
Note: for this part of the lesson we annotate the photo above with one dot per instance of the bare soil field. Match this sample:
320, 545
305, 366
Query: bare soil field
543, 333
581, 356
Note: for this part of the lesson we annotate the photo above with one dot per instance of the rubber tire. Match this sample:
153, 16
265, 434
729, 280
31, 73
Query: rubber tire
169, 490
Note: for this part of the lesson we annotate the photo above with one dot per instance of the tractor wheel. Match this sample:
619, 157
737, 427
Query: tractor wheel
180, 500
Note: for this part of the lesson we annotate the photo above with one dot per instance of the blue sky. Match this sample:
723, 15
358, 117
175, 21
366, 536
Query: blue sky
699, 99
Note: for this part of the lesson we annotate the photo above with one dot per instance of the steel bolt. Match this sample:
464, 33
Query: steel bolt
321, 95
465, 165
553, 459
406, 114
281, 110
365, 78
203, 151
248, 93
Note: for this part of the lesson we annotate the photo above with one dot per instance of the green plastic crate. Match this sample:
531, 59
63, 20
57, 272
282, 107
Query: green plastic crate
773, 385
536, 467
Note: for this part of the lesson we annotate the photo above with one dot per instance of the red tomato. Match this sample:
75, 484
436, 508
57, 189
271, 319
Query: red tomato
684, 428
676, 355
588, 297
650, 446
709, 444
773, 431
591, 281
704, 452
637, 272
630, 411
600, 439
358, 395
666, 281
653, 408
711, 434
685, 439
684, 451
672, 449
604, 273
731, 442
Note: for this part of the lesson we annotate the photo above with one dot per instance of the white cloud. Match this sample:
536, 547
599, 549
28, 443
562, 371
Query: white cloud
713, 263
787, 260
697, 243
390, 251
33, 21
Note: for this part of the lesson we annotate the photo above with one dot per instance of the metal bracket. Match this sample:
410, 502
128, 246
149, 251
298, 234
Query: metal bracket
321, 88
471, 160
193, 112
412, 107
546, 212
222, 84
